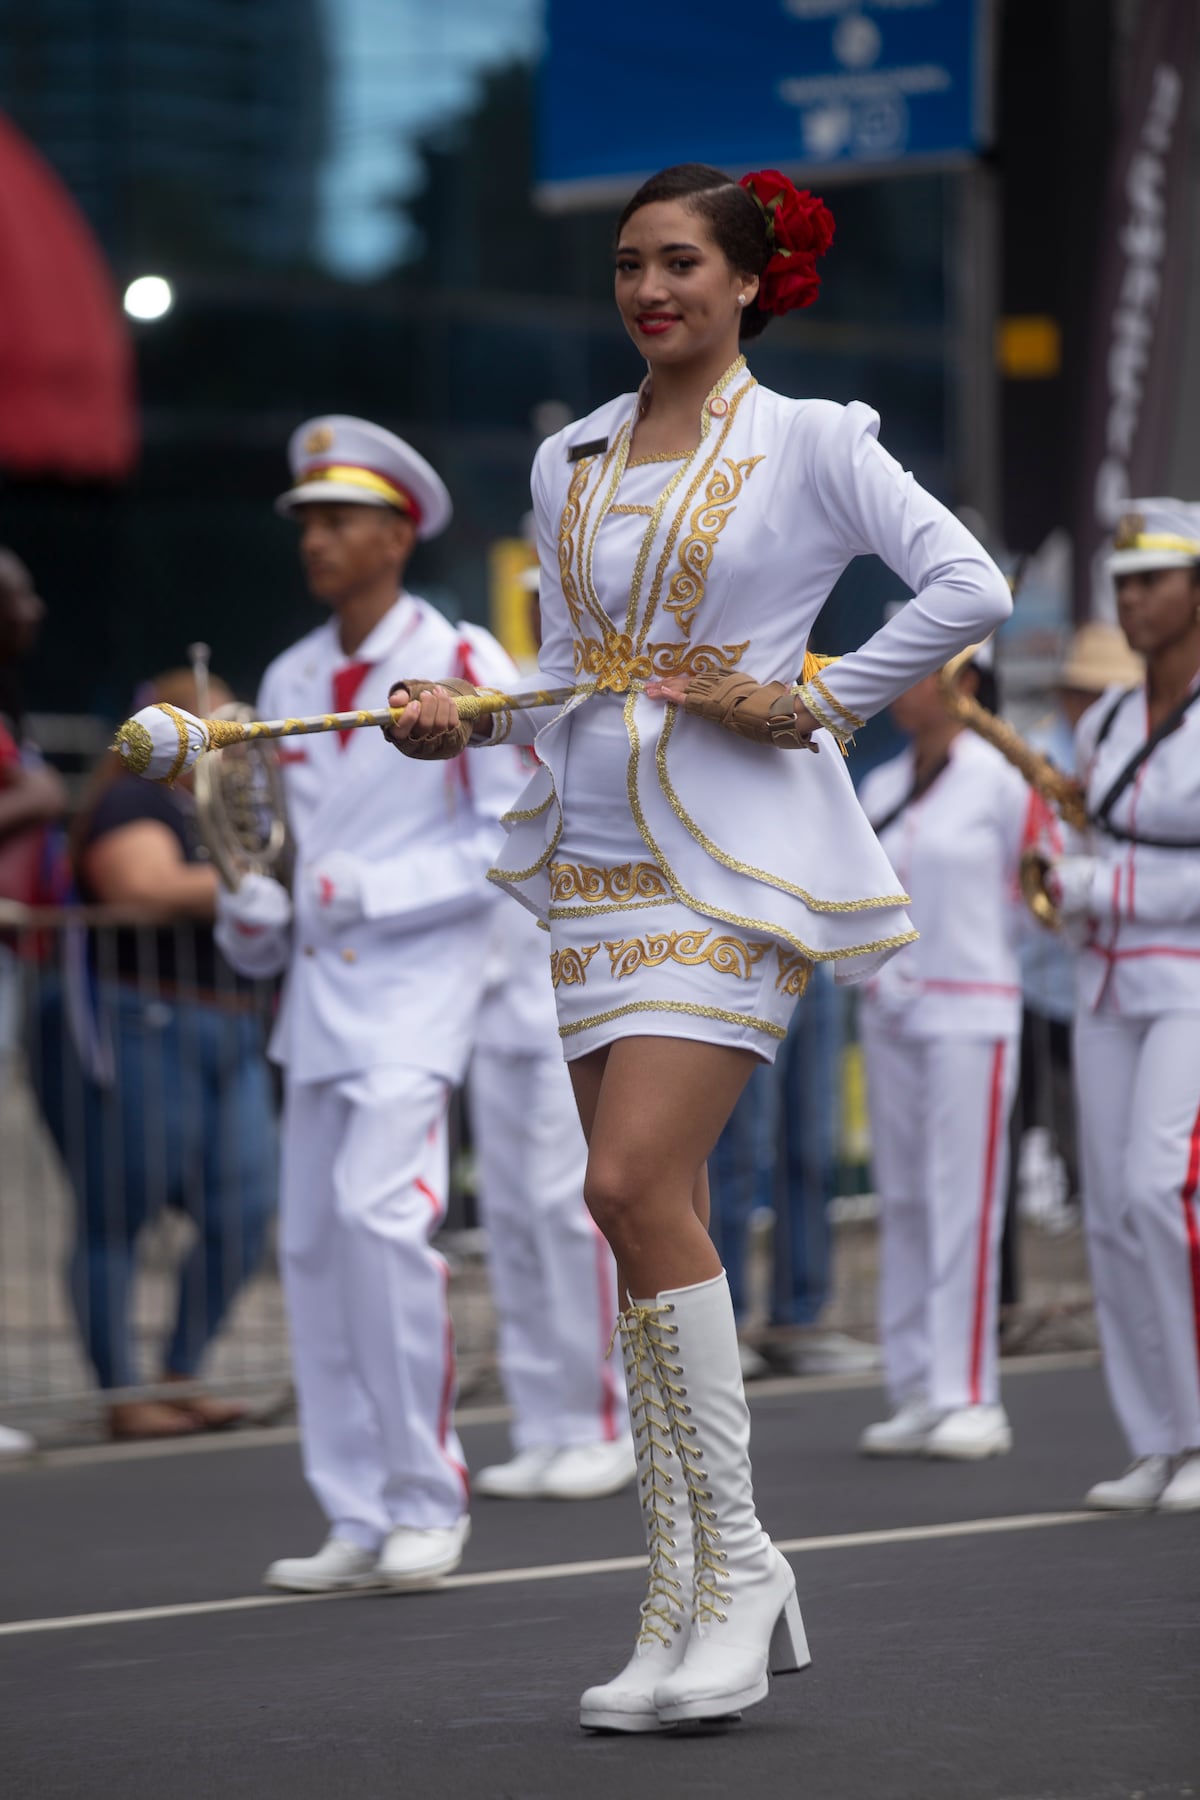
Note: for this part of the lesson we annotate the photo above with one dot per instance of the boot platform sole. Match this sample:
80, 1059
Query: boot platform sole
618, 1724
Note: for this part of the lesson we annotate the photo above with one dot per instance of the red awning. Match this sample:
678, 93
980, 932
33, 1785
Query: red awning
67, 404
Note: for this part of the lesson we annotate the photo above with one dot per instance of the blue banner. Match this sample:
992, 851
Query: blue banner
809, 86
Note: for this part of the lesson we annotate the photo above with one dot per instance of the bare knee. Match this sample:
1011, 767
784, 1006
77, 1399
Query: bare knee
614, 1196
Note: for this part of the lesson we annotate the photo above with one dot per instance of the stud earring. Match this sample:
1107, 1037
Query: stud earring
741, 299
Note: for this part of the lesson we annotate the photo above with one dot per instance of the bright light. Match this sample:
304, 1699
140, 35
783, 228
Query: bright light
149, 297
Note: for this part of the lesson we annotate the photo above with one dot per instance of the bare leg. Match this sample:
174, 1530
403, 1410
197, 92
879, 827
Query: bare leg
652, 1109
588, 1079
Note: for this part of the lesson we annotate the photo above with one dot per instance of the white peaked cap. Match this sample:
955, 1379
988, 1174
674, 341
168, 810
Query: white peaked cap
344, 459
1155, 534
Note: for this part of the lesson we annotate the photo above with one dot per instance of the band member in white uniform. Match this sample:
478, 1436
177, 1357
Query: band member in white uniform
1134, 895
554, 1282
688, 536
941, 1030
384, 955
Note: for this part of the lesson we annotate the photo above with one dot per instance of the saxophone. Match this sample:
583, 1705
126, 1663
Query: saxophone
1061, 792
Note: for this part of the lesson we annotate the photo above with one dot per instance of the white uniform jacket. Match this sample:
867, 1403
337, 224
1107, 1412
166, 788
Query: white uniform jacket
399, 983
729, 570
957, 850
1142, 954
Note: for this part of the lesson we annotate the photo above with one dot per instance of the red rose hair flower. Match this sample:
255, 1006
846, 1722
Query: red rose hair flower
799, 229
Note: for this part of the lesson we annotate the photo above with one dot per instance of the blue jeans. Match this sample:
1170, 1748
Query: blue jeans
778, 1151
187, 1122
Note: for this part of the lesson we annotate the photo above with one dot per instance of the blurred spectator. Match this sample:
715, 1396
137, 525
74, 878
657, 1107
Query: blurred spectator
940, 1027
778, 1154
154, 1085
1044, 1165
31, 795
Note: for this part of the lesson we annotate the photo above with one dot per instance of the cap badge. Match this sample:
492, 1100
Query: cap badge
320, 438
1129, 529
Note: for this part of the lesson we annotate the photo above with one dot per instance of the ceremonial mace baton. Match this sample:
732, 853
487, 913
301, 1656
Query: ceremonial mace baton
161, 742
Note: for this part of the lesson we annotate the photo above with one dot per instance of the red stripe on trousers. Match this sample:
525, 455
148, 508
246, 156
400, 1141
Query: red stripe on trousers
448, 1385
423, 1187
995, 1125
1191, 1226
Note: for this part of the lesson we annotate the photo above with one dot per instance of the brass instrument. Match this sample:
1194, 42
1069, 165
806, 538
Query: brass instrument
239, 795
1061, 792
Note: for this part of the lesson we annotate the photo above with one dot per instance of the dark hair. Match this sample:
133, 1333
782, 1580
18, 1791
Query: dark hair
731, 215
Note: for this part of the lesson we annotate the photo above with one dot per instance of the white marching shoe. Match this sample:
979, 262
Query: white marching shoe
338, 1567
416, 1557
1137, 1490
1182, 1492
626, 1703
745, 1616
970, 1433
14, 1443
521, 1478
590, 1471
906, 1433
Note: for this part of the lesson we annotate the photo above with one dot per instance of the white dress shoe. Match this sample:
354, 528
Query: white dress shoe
970, 1433
589, 1471
745, 1616
1137, 1490
1182, 1492
14, 1443
753, 1363
338, 1566
413, 1558
811, 1352
521, 1478
906, 1433
626, 1703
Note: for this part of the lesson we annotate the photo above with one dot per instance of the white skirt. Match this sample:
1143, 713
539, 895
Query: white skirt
628, 959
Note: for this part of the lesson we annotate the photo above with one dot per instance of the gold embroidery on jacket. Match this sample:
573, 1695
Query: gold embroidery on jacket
566, 545
668, 548
705, 527
742, 868
719, 912
794, 971
727, 955
624, 881
614, 667
568, 968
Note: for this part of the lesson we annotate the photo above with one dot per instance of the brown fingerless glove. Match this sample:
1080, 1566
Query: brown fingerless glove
439, 746
763, 711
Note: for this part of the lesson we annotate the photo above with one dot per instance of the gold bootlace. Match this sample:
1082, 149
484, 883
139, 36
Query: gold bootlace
664, 1602
650, 1332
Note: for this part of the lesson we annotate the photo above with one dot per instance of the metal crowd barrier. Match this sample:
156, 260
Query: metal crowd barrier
138, 1177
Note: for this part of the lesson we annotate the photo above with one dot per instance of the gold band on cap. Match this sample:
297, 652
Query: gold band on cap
1163, 540
351, 476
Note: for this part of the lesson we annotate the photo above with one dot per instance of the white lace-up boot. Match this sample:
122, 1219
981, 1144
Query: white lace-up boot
745, 1615
626, 1703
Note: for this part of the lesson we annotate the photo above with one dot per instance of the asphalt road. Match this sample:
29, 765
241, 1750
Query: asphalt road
973, 1639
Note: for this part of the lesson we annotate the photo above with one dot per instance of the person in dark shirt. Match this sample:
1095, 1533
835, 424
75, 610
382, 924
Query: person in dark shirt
154, 1084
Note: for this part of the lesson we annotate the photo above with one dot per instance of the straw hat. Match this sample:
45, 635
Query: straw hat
1098, 658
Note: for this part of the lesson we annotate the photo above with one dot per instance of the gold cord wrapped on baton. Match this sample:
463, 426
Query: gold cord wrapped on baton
161, 742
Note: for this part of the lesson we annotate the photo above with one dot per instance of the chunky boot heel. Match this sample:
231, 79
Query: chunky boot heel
788, 1652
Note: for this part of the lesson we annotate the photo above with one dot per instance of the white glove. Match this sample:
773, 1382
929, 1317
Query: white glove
337, 886
1070, 884
252, 929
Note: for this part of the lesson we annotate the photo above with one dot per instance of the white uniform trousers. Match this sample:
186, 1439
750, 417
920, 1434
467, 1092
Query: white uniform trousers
364, 1175
939, 1111
1138, 1089
553, 1277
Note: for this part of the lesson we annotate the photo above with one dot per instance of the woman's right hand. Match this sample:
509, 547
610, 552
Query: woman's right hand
428, 727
